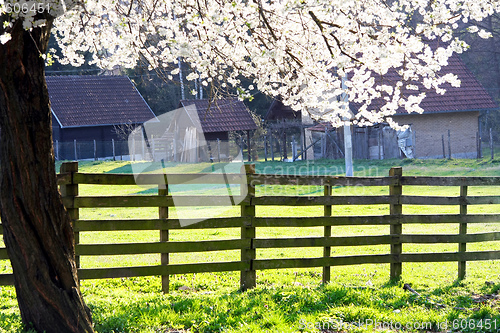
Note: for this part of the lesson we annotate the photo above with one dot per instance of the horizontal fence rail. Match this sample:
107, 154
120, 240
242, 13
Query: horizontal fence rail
244, 195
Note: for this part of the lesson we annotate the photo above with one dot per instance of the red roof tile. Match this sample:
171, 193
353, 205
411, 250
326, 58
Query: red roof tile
79, 101
222, 115
321, 127
470, 96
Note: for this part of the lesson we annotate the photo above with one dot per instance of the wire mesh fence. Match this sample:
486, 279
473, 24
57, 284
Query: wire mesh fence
268, 147
83, 150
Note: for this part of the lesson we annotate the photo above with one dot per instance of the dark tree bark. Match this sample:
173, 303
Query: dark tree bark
37, 229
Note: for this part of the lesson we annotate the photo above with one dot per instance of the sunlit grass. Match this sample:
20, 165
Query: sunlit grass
287, 300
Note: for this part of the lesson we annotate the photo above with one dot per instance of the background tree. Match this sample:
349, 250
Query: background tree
299, 50
483, 58
304, 63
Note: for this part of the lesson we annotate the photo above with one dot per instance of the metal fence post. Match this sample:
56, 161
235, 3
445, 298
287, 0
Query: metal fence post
480, 144
449, 144
114, 151
153, 148
133, 148
69, 192
444, 149
271, 144
218, 150
249, 147
248, 276
396, 209
74, 144
492, 148
265, 148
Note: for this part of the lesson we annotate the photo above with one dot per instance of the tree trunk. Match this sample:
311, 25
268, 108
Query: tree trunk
37, 229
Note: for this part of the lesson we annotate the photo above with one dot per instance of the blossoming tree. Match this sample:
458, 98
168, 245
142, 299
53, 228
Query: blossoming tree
301, 50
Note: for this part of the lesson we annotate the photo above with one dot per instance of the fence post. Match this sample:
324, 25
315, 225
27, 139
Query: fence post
285, 153
396, 209
265, 148
218, 149
444, 150
449, 144
462, 247
57, 150
241, 149
114, 152
271, 144
74, 144
70, 191
143, 148
164, 237
95, 150
304, 144
175, 149
379, 143
248, 276
414, 144
154, 148
249, 146
327, 234
478, 145
133, 149
491, 145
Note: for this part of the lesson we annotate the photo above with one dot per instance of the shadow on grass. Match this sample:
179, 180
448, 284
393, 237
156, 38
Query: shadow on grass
144, 166
259, 309
123, 306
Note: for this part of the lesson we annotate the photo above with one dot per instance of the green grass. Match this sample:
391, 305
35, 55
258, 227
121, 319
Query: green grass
291, 300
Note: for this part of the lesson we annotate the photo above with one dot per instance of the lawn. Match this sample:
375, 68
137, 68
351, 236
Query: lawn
359, 298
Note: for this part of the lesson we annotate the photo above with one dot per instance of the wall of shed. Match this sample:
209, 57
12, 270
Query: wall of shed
85, 137
429, 129
224, 136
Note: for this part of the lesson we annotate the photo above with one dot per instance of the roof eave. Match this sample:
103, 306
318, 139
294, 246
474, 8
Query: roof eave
103, 125
447, 111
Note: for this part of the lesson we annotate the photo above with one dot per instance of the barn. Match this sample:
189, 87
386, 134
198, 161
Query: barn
221, 116
207, 123
93, 108
449, 123
452, 117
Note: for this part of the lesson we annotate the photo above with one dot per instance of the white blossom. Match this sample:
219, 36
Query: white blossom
5, 38
298, 50
484, 34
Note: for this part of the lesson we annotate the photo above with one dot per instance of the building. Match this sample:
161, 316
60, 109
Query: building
198, 131
455, 113
88, 108
221, 116
449, 123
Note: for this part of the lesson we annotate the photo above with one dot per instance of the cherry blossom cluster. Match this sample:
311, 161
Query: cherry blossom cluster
310, 53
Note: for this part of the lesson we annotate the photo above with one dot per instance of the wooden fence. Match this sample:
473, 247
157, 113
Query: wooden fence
248, 243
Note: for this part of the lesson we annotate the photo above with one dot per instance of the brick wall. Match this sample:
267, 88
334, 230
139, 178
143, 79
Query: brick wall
429, 128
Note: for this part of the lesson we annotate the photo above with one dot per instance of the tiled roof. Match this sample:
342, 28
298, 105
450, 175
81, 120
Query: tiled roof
470, 96
321, 127
79, 101
222, 115
278, 111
